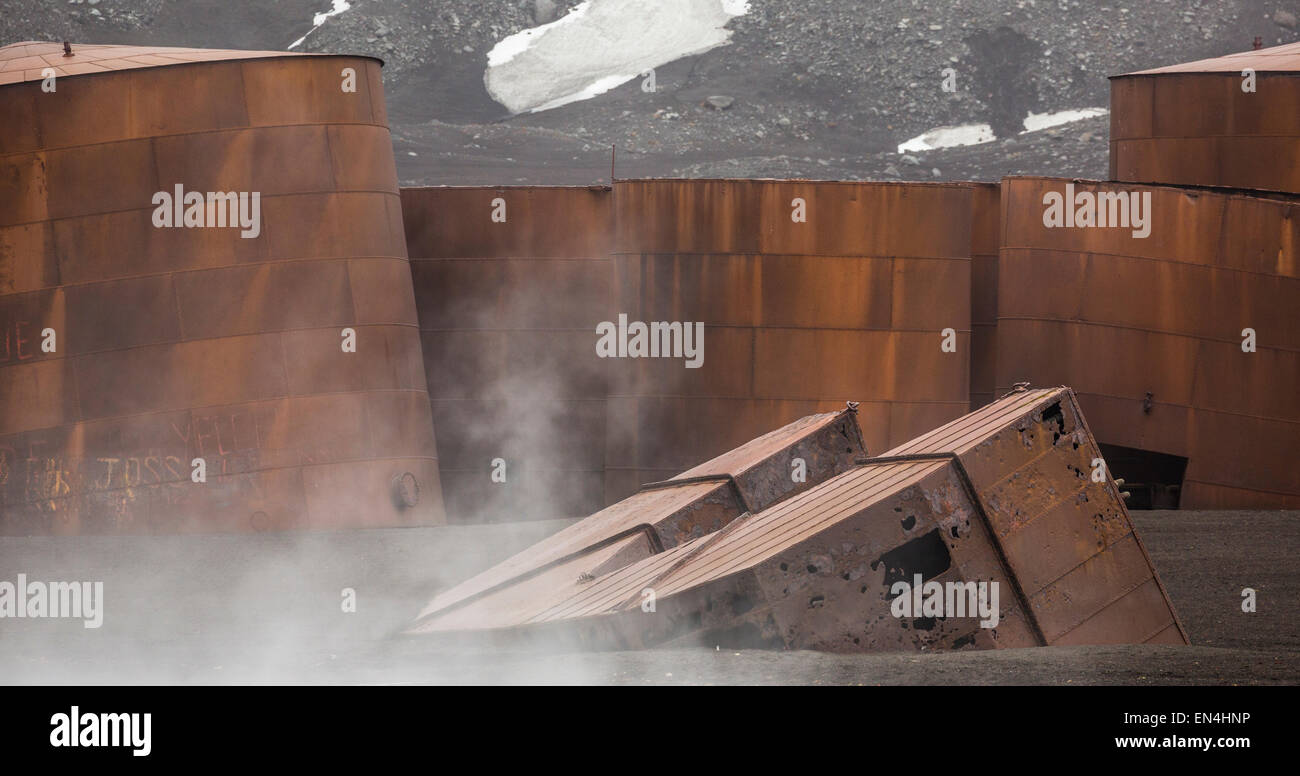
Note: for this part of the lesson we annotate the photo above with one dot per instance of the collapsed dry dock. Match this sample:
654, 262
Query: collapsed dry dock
1005, 496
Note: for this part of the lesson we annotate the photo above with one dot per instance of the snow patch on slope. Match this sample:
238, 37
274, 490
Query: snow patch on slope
949, 137
974, 134
600, 45
338, 7
1037, 121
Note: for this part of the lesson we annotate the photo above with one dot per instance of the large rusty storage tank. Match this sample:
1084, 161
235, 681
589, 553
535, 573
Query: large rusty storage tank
1183, 345
198, 340
1231, 121
810, 293
511, 283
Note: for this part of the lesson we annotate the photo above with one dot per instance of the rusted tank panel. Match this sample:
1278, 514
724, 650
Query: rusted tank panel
663, 515
170, 344
809, 293
986, 223
999, 496
1153, 332
1208, 123
511, 284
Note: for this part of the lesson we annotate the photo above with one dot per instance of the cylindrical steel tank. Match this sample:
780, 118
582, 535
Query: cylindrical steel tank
811, 293
201, 340
511, 283
986, 224
1232, 121
1183, 342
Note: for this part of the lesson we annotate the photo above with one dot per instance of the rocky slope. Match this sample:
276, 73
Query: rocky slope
812, 88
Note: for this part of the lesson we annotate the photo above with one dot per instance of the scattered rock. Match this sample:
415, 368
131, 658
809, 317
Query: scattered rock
892, 171
1285, 19
909, 159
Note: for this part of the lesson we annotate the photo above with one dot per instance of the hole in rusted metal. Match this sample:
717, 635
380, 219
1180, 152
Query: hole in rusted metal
1054, 414
926, 555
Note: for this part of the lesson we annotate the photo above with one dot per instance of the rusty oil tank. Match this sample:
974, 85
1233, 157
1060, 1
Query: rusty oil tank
178, 343
510, 283
799, 315
1232, 121
1152, 333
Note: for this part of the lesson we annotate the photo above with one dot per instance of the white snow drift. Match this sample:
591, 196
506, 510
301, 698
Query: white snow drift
973, 134
337, 7
599, 45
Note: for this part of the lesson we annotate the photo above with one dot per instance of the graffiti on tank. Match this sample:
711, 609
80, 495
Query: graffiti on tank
19, 340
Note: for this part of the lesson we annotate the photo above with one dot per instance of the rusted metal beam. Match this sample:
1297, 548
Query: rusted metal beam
697, 503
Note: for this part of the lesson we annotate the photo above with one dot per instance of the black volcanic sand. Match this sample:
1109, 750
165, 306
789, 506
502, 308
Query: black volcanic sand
266, 608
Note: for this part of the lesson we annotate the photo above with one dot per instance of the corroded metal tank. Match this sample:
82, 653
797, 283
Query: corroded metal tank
1230, 121
810, 293
511, 283
200, 340
1182, 343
